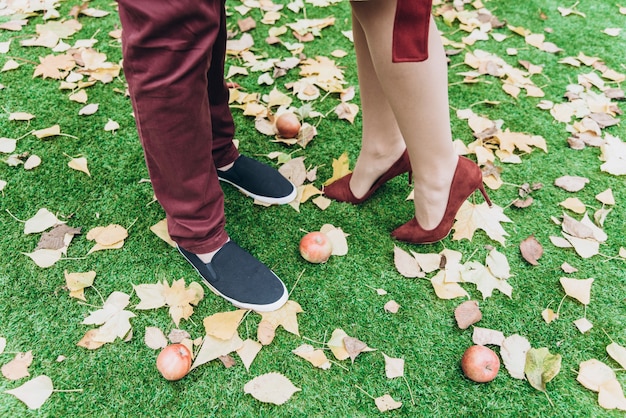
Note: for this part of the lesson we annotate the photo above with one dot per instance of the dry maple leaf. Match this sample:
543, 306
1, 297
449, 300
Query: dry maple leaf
177, 297
472, 217
114, 319
341, 167
54, 66
285, 316
272, 388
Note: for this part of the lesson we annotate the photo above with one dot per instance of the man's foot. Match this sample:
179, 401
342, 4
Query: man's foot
259, 181
240, 278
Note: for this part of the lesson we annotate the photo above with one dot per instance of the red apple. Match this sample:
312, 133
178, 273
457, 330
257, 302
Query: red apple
174, 361
315, 247
288, 125
480, 364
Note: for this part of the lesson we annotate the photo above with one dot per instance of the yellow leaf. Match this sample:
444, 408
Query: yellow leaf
285, 316
20, 116
471, 217
341, 167
223, 325
79, 164
579, 289
316, 357
337, 238
47, 132
77, 282
447, 290
336, 344
606, 197
108, 235
213, 348
549, 315
248, 352
45, 258
574, 204
160, 230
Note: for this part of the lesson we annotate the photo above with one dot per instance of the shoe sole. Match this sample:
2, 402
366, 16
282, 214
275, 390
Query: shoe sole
257, 308
270, 200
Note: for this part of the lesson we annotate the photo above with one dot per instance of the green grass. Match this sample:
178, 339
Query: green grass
120, 379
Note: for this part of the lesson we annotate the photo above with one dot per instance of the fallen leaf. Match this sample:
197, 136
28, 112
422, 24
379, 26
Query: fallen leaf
394, 367
223, 325
285, 316
212, 348
354, 347
35, 392
446, 290
513, 352
113, 318
18, 367
611, 396
606, 197
486, 336
79, 164
109, 235
31, 162
154, 338
592, 374
341, 167
316, 357
387, 403
471, 217
406, 264
42, 220
571, 183
336, 344
266, 332
45, 258
77, 282
271, 388
392, 306
160, 230
541, 367
583, 325
531, 250
248, 352
549, 315
616, 351
3, 344
467, 313
579, 289
337, 238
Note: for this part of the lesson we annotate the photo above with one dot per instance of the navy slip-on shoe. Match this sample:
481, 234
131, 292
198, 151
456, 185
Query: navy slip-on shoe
259, 181
241, 279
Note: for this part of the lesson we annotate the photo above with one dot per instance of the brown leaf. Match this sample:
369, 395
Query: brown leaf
571, 183
354, 347
531, 250
266, 332
246, 24
467, 313
227, 361
18, 367
55, 238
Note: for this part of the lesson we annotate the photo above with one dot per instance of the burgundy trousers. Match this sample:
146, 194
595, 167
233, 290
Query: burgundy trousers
174, 55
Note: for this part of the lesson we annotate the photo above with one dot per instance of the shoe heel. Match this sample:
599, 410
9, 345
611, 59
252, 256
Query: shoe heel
484, 193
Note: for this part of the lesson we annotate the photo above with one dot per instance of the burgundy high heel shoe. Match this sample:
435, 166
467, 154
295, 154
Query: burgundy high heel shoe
340, 190
467, 179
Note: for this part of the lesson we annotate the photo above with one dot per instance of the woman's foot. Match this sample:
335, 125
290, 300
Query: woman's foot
467, 179
359, 185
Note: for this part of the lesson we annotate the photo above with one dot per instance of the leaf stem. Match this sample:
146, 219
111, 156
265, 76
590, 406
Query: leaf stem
67, 390
296, 283
410, 391
14, 217
363, 390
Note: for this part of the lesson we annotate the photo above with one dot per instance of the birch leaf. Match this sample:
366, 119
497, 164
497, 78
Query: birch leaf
316, 357
616, 351
45, 258
248, 352
42, 220
386, 403
271, 388
579, 289
592, 374
394, 367
541, 367
77, 282
35, 392
336, 344
513, 353
611, 396
406, 264
79, 164
154, 338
